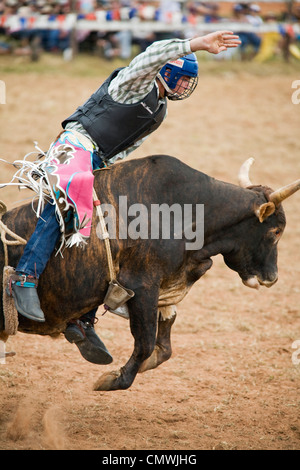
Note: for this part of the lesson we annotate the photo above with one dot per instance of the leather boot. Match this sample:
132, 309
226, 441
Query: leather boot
82, 333
24, 291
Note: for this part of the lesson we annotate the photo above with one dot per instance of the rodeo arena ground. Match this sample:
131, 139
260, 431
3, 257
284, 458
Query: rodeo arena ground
232, 381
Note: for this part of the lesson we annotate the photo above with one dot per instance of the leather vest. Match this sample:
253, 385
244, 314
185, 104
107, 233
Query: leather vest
115, 126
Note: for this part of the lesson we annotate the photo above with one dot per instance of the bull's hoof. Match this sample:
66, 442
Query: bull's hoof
107, 381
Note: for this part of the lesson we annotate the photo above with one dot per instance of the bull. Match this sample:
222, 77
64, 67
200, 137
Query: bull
242, 223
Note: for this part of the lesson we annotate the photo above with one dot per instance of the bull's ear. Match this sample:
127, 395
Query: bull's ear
264, 211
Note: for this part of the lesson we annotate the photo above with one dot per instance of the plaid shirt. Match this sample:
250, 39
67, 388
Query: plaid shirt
134, 82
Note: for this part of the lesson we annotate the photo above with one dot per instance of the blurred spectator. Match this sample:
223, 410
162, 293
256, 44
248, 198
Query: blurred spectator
207, 12
117, 43
253, 15
29, 40
271, 42
86, 6
296, 13
146, 11
212, 15
248, 14
169, 11
22, 35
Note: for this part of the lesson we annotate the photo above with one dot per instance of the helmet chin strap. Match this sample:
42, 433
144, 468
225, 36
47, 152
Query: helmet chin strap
164, 84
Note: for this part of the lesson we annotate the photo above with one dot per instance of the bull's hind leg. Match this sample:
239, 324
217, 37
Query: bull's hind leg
143, 321
163, 350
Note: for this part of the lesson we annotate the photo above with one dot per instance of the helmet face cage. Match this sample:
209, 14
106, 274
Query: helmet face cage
180, 77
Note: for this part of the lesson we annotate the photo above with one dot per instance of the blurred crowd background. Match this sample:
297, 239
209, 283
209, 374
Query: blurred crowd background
111, 28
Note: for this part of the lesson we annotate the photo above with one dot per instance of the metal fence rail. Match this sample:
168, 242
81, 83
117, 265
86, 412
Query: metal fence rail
71, 22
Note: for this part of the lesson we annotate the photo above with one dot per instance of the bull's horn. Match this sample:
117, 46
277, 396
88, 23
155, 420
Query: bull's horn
244, 180
282, 193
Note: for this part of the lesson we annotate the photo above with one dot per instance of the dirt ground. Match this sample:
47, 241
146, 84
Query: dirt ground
233, 379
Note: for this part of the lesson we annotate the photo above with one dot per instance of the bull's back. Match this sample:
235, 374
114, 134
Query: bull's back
149, 180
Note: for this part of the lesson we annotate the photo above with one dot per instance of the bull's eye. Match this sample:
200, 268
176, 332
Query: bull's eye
276, 234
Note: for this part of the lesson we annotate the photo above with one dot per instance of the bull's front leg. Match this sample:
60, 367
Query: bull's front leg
163, 349
143, 323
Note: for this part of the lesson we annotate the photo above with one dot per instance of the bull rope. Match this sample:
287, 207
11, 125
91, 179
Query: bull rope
10, 313
104, 236
5, 230
116, 295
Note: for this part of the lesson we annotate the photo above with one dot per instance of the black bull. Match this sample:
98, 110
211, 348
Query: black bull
242, 224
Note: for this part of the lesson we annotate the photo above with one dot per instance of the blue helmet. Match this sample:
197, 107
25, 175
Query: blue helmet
171, 76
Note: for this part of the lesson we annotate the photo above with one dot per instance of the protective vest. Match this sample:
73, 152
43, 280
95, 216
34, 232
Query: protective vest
115, 126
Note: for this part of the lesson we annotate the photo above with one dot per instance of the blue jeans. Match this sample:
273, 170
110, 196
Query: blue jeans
42, 242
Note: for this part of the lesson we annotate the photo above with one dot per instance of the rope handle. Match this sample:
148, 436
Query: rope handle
5, 230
